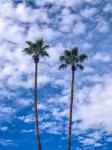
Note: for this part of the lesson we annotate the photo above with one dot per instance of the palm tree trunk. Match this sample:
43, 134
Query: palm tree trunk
70, 112
35, 108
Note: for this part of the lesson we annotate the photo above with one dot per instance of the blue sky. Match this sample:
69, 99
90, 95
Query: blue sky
63, 24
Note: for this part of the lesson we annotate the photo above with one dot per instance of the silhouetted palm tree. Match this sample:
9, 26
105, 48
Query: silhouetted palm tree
75, 61
37, 50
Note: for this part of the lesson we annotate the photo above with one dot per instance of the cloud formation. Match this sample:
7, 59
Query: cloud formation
62, 24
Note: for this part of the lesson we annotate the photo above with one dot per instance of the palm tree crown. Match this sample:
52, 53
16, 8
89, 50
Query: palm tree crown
37, 49
72, 58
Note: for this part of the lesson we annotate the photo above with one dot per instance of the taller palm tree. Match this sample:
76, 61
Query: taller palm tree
75, 61
36, 50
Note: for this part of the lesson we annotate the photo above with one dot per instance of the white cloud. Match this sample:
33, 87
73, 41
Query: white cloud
66, 24
27, 119
65, 3
108, 7
79, 28
24, 102
89, 69
102, 26
98, 145
6, 142
27, 131
87, 46
88, 12
51, 127
94, 114
42, 106
16, 13
15, 33
109, 139
103, 57
6, 110
6, 114
46, 32
3, 128
88, 141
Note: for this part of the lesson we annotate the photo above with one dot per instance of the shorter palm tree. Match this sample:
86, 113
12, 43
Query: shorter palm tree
36, 50
75, 61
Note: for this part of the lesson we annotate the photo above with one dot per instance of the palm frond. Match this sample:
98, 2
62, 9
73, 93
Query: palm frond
74, 51
45, 47
39, 43
44, 53
37, 48
28, 51
79, 66
72, 57
82, 57
67, 53
62, 66
30, 43
75, 59
62, 58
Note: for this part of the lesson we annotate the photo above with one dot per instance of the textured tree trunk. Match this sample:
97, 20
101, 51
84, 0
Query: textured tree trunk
35, 108
70, 112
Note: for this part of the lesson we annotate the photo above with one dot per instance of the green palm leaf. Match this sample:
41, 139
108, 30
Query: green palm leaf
79, 66
28, 51
30, 43
62, 58
72, 57
75, 51
82, 57
67, 53
45, 47
44, 53
37, 49
39, 43
62, 66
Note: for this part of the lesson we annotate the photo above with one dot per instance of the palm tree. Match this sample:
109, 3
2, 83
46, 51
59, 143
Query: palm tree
37, 50
75, 61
